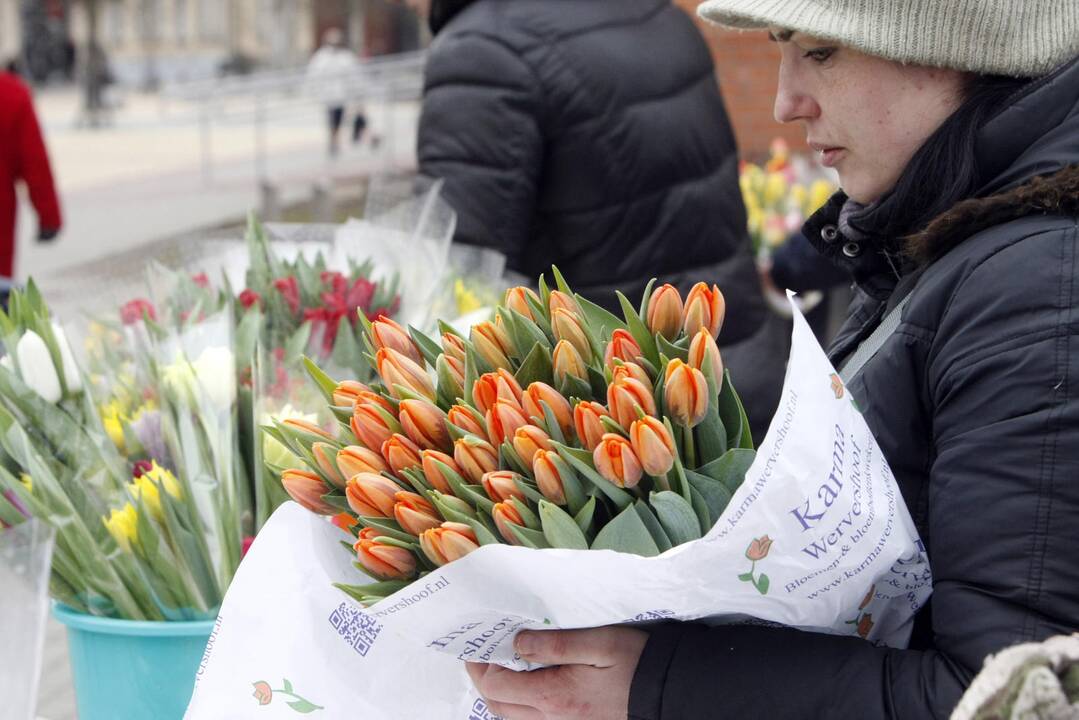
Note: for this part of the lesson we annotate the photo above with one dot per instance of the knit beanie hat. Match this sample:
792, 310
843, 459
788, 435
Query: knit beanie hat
1020, 38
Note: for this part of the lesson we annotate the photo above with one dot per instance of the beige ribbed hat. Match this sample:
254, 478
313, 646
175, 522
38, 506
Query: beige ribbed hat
1021, 38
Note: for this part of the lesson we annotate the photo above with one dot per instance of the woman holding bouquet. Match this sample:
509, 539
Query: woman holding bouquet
954, 126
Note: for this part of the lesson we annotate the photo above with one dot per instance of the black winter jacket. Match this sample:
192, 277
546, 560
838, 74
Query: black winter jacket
590, 134
975, 403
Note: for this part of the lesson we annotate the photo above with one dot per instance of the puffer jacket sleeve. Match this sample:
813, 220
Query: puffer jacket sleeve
480, 132
1002, 511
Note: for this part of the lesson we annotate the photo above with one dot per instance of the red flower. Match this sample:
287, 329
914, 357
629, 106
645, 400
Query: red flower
290, 290
201, 280
140, 468
249, 297
133, 311
246, 545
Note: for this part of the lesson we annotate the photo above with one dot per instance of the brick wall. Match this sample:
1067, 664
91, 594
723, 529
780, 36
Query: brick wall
747, 65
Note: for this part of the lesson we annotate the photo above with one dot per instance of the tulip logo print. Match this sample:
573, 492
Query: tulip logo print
265, 695
863, 624
837, 387
757, 551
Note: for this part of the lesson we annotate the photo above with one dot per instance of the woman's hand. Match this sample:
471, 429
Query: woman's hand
591, 677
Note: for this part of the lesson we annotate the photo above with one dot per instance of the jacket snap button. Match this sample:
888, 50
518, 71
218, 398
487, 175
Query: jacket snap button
829, 233
852, 249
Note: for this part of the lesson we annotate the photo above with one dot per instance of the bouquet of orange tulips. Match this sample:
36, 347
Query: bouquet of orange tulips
557, 424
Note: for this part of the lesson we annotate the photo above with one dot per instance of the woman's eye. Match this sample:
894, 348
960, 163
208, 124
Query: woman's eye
819, 55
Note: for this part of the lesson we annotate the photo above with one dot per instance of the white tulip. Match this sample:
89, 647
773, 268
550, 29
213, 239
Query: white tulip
71, 371
216, 373
35, 365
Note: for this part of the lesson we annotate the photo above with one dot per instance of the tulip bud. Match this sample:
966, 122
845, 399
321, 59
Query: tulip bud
567, 361
425, 424
686, 393
370, 397
632, 370
653, 445
371, 495
625, 396
36, 367
704, 309
567, 326
665, 312
451, 541
72, 378
561, 301
397, 369
356, 459
414, 514
586, 421
517, 300
704, 346
615, 461
550, 469
493, 344
503, 419
385, 333
465, 418
475, 458
434, 474
326, 457
501, 485
346, 392
528, 441
498, 385
371, 426
451, 375
342, 520
505, 515
401, 454
454, 347
307, 489
539, 393
306, 426
622, 346
385, 562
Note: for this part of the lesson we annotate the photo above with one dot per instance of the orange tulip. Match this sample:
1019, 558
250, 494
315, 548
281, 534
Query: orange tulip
567, 361
369, 533
586, 420
632, 370
517, 300
371, 427
344, 520
501, 485
425, 424
370, 397
567, 326
704, 309
401, 454
625, 396
704, 346
346, 392
453, 346
615, 460
371, 495
307, 489
541, 392
385, 562
475, 458
665, 312
385, 333
414, 514
451, 541
503, 419
498, 385
561, 301
463, 417
396, 368
550, 469
356, 459
434, 474
622, 346
528, 441
505, 515
493, 344
653, 445
686, 392
326, 457
451, 375
306, 426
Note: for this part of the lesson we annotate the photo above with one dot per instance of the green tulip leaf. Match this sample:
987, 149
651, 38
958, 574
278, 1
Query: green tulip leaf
646, 298
365, 594
530, 538
560, 529
626, 533
536, 366
583, 518
700, 507
639, 330
652, 523
581, 461
428, 347
730, 468
715, 494
603, 322
676, 515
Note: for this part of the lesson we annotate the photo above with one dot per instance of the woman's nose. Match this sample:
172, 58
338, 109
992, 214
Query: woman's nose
792, 102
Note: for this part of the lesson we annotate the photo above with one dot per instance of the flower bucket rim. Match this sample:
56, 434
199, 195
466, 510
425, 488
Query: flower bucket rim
116, 626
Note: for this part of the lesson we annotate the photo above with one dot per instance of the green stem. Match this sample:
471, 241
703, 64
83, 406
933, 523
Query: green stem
690, 449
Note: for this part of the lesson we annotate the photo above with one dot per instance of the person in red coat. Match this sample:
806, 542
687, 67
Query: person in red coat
23, 157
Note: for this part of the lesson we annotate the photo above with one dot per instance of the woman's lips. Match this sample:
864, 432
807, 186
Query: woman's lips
830, 155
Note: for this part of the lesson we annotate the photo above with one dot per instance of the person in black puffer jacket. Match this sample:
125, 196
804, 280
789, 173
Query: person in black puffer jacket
591, 135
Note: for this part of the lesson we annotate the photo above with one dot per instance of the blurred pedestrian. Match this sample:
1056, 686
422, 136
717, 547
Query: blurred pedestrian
591, 135
23, 158
331, 72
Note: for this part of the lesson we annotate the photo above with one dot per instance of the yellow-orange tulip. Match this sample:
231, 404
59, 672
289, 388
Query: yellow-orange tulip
425, 424
567, 326
615, 460
550, 469
704, 346
704, 309
632, 370
586, 421
501, 485
346, 392
622, 346
686, 393
528, 441
401, 454
665, 312
434, 474
385, 562
451, 375
369, 533
306, 426
561, 301
653, 445
493, 344
624, 396
356, 459
326, 457
371, 427
451, 541
539, 393
567, 361
464, 418
414, 514
385, 333
475, 458
307, 489
498, 385
453, 346
505, 515
396, 368
371, 495
517, 300
344, 520
503, 419
370, 397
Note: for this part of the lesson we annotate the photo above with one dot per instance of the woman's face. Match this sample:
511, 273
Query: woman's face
863, 115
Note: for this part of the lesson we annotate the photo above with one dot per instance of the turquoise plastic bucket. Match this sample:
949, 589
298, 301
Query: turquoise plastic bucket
132, 670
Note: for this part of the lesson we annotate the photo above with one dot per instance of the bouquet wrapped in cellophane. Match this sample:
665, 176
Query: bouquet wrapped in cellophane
557, 424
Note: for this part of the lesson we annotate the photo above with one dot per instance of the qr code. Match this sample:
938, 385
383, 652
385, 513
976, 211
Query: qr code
480, 712
652, 615
357, 628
